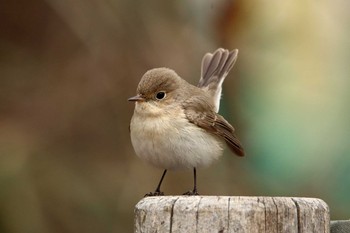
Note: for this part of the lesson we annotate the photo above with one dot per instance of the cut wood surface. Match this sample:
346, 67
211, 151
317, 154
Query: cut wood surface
231, 214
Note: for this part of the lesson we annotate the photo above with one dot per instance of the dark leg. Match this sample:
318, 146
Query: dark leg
157, 192
194, 191
195, 182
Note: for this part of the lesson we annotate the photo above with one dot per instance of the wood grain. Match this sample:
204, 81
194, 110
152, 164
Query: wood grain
231, 214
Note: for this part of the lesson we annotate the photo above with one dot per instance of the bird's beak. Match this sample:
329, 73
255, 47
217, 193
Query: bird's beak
136, 98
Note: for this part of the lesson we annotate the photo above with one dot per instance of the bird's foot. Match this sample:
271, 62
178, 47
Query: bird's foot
156, 193
191, 193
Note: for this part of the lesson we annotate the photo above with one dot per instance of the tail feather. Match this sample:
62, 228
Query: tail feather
215, 67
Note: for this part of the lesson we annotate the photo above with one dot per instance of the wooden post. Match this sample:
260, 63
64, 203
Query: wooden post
231, 214
340, 226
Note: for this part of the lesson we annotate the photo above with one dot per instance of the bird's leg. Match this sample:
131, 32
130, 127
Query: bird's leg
195, 182
157, 192
194, 191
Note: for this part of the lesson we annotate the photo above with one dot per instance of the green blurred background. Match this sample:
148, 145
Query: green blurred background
68, 67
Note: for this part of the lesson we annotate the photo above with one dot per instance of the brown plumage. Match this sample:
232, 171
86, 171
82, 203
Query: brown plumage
198, 114
176, 125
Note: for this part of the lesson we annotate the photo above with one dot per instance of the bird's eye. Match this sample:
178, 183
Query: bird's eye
160, 95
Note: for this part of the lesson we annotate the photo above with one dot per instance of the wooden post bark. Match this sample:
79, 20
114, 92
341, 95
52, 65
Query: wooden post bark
231, 214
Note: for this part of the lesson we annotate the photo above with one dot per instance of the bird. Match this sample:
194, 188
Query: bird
176, 125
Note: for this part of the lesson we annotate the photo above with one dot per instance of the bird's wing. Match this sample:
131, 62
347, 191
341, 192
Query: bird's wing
215, 67
213, 123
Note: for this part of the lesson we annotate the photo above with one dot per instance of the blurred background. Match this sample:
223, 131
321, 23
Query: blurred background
68, 67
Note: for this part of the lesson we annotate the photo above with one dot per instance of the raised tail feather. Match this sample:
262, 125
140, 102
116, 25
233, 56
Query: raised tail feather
215, 67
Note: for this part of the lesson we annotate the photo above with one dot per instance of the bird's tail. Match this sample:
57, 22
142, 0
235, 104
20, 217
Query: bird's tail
215, 67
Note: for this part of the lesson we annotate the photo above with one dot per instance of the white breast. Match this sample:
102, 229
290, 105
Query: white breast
171, 142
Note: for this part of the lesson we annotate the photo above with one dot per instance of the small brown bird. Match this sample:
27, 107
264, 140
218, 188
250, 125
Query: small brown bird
176, 125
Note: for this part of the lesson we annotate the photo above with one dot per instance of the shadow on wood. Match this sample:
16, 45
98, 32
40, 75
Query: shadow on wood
231, 214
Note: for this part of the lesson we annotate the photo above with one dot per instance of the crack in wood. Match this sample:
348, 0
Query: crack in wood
228, 214
277, 214
172, 214
197, 214
298, 214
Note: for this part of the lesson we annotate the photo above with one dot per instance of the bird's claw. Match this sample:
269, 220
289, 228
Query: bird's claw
191, 193
156, 193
